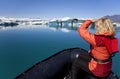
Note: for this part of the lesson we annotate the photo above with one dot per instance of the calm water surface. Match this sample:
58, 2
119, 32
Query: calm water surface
23, 46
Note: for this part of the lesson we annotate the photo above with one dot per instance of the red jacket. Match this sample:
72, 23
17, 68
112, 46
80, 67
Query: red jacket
101, 53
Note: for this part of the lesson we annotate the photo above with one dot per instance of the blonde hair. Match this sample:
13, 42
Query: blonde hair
104, 25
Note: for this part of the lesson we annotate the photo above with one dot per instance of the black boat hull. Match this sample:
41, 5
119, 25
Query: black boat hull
58, 66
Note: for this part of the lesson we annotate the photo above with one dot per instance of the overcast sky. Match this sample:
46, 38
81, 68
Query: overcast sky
59, 8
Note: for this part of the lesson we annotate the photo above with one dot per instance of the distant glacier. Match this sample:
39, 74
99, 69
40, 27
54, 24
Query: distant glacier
6, 21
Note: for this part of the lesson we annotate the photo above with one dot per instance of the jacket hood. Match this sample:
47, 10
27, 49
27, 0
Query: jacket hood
105, 34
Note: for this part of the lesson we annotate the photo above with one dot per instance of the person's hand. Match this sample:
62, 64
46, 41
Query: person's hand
94, 20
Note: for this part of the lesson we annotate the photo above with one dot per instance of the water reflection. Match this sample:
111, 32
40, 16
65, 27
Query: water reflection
69, 26
66, 27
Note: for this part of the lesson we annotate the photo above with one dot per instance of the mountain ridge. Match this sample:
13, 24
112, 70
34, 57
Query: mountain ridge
114, 18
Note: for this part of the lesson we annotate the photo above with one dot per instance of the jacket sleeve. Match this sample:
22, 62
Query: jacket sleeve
85, 34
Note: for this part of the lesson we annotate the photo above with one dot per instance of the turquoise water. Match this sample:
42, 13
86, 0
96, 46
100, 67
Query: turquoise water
23, 46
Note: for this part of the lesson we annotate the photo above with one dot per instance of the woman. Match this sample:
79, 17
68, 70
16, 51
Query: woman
98, 61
